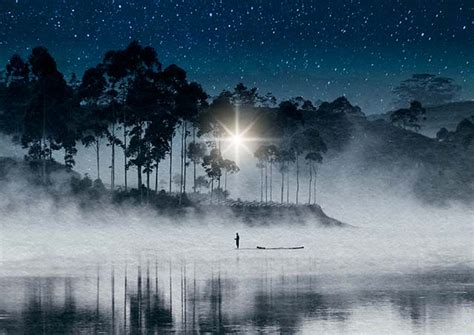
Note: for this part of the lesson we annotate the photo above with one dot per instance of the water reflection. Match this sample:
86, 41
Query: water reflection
151, 299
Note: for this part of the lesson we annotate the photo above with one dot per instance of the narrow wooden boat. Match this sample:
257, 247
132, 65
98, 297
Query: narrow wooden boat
279, 248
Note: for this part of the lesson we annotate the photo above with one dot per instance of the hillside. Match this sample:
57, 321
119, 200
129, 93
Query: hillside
442, 169
437, 117
66, 185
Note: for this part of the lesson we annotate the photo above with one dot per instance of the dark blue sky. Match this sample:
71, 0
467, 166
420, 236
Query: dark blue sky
318, 49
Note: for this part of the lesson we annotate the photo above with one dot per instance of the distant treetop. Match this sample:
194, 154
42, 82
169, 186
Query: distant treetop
429, 89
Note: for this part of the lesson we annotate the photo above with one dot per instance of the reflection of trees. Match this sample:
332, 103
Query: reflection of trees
43, 316
285, 310
421, 305
271, 308
214, 320
148, 312
217, 305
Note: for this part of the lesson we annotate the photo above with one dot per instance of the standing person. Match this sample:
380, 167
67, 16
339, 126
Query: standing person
237, 240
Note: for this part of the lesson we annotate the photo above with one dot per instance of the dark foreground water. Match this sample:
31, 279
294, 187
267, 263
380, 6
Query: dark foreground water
159, 297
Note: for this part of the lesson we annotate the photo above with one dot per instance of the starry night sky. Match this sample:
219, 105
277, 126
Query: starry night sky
320, 49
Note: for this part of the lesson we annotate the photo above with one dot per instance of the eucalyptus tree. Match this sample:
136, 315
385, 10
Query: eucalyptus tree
315, 147
144, 106
47, 108
272, 154
262, 156
189, 102
158, 136
411, 117
312, 158
429, 89
267, 156
212, 164
230, 167
173, 78
196, 151
124, 68
201, 181
16, 92
119, 73
284, 158
211, 121
93, 122
288, 124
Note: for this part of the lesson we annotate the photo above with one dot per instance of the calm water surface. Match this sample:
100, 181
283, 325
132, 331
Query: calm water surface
151, 296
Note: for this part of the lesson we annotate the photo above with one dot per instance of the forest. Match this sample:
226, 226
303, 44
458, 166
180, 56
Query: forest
131, 102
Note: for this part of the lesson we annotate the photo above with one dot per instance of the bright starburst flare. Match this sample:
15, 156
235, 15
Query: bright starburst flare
237, 139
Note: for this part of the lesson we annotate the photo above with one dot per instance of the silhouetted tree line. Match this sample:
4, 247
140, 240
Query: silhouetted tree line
130, 102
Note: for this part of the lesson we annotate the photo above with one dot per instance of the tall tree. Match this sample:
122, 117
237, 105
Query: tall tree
16, 93
125, 70
262, 156
230, 167
190, 100
409, 118
284, 158
201, 182
196, 152
174, 78
428, 89
213, 165
47, 108
312, 158
315, 147
267, 156
307, 140
93, 123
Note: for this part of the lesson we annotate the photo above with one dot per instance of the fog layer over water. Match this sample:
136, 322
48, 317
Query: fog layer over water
393, 234
406, 267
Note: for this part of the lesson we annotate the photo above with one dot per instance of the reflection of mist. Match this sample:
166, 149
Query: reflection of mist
221, 304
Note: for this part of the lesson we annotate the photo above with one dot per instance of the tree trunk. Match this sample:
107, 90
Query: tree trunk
184, 156
225, 181
266, 182
181, 181
97, 156
139, 167
156, 176
125, 149
219, 179
43, 137
297, 177
171, 164
288, 187
50, 151
261, 183
314, 185
139, 182
282, 184
310, 182
212, 188
271, 181
147, 185
112, 165
194, 161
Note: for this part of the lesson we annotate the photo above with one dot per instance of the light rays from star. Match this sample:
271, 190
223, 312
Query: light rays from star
236, 139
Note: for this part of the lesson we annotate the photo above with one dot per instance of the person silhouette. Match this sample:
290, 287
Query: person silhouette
237, 240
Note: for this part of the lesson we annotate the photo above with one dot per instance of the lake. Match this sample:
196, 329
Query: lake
156, 296
399, 272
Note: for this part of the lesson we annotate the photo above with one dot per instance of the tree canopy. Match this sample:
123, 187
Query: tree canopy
428, 89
